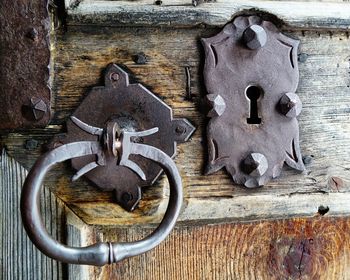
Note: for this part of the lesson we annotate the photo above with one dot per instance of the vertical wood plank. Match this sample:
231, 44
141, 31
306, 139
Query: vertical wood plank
78, 235
19, 258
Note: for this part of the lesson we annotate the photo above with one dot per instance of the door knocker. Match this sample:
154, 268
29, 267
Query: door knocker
120, 138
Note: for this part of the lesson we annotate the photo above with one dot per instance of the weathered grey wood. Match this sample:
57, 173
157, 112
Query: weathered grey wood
78, 235
19, 258
305, 15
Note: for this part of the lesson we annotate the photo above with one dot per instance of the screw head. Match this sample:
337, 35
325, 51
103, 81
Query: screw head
217, 103
255, 37
255, 164
115, 77
180, 129
290, 105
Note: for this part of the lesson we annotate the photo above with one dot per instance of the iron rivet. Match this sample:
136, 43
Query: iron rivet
140, 58
255, 37
290, 105
37, 108
115, 77
302, 57
255, 164
31, 144
217, 103
180, 129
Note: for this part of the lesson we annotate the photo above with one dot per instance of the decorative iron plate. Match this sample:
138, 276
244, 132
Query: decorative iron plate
134, 108
251, 75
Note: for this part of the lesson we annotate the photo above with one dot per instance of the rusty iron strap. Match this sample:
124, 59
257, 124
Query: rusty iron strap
24, 60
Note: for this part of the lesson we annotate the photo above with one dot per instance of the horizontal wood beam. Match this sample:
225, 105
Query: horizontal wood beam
292, 15
218, 210
324, 88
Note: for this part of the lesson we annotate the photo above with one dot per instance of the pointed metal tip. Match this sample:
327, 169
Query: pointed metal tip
86, 127
210, 169
85, 169
75, 177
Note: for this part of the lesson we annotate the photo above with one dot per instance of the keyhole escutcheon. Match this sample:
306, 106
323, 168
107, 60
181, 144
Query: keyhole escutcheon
254, 93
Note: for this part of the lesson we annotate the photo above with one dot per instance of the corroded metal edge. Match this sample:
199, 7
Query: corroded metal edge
25, 64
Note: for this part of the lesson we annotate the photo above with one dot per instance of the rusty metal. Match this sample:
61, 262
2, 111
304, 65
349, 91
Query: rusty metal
24, 60
134, 108
31, 144
251, 75
254, 37
140, 58
36, 109
290, 105
217, 104
115, 143
188, 83
255, 165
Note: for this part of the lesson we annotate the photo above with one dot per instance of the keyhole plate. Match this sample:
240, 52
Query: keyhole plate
251, 75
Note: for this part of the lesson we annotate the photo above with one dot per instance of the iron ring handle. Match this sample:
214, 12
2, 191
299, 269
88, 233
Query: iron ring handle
100, 253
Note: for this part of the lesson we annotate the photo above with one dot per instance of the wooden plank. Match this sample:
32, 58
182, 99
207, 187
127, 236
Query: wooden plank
83, 53
317, 248
78, 235
306, 15
19, 258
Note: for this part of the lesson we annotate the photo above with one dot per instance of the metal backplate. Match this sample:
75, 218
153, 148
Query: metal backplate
251, 75
24, 60
134, 108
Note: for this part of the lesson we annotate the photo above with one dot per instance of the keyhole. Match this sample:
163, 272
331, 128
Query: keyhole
253, 94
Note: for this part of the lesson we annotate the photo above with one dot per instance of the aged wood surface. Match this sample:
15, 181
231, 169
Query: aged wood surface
19, 258
78, 235
83, 53
217, 13
317, 248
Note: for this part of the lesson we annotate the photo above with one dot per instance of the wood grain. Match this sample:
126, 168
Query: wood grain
305, 15
83, 53
78, 235
19, 258
317, 248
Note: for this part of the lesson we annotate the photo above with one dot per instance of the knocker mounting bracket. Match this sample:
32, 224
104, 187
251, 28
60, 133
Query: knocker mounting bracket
134, 108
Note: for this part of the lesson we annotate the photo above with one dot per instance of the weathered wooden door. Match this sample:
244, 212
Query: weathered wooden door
296, 227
